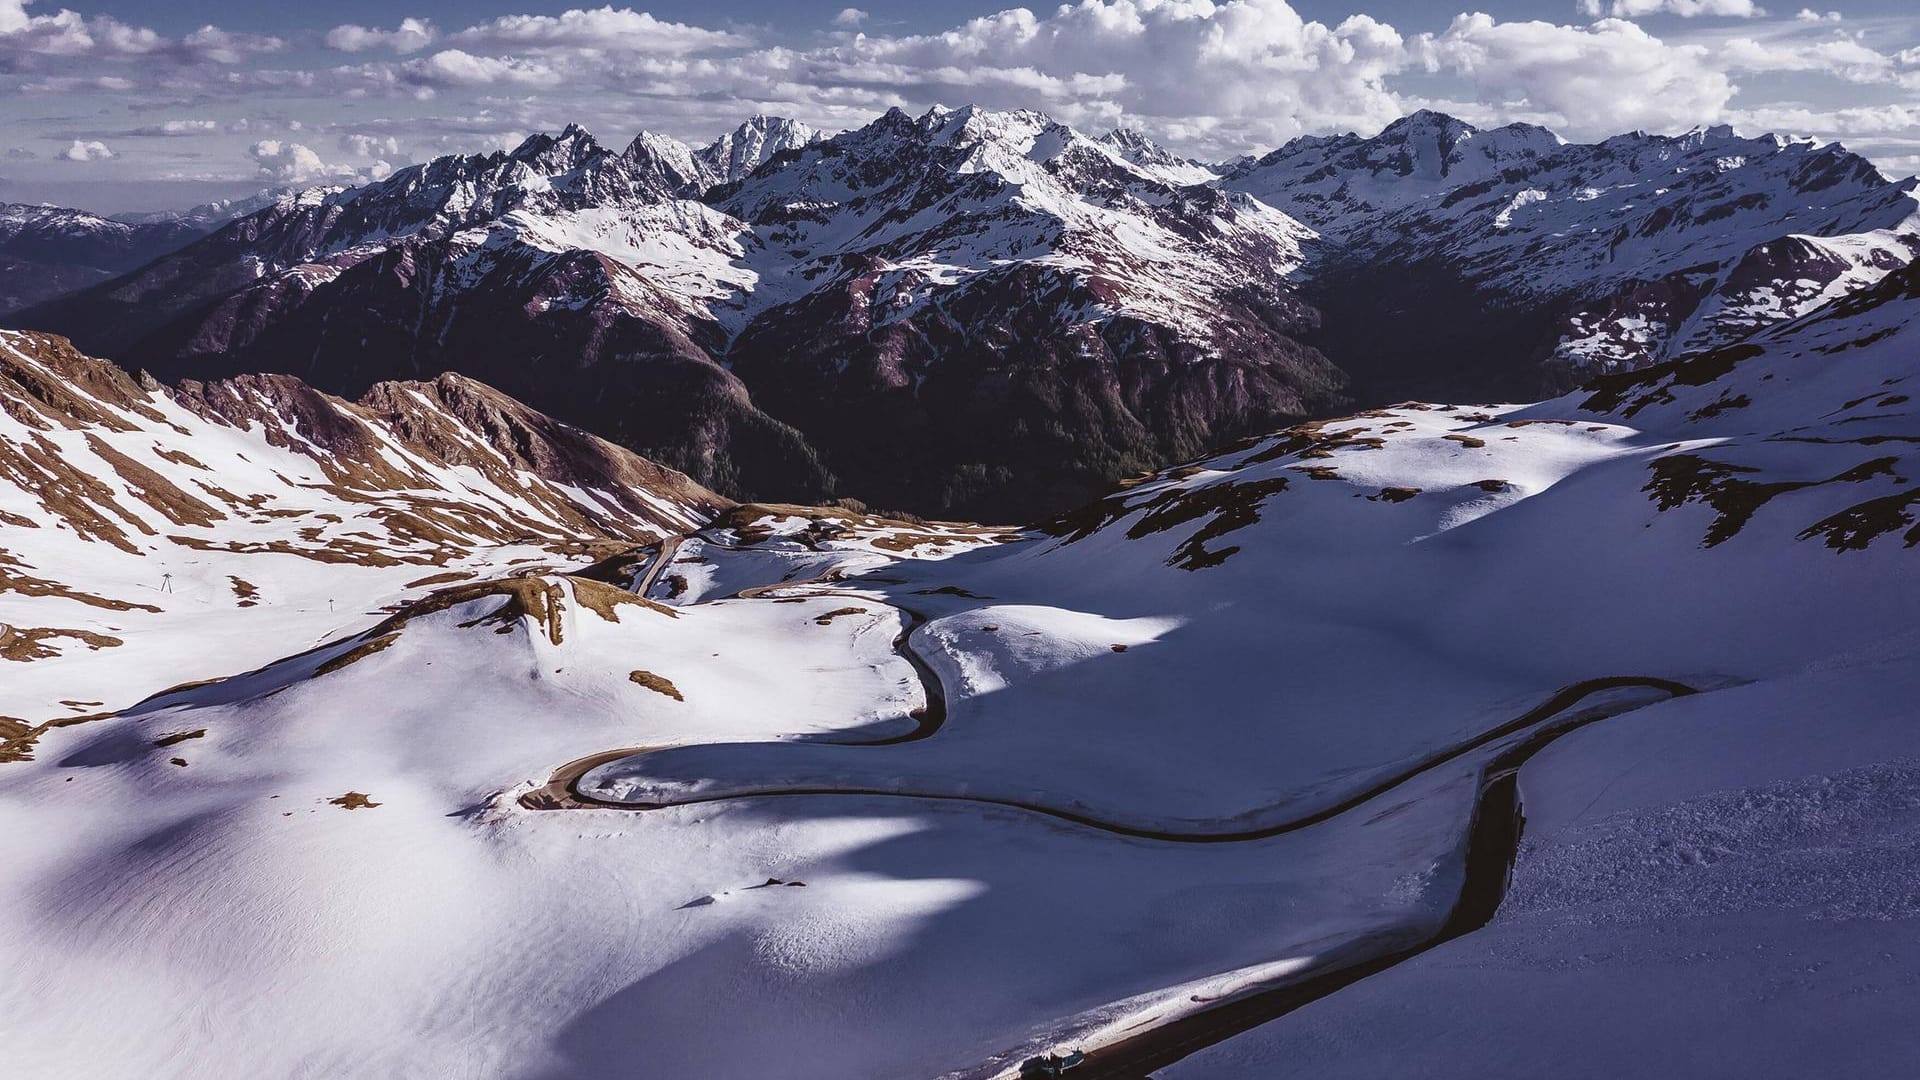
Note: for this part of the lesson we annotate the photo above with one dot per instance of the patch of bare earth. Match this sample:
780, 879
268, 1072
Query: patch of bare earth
247, 593
1679, 479
659, 684
35, 642
17, 739
1394, 494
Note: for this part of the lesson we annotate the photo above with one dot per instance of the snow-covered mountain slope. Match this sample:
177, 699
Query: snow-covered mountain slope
733, 156
990, 311
209, 216
154, 536
1156, 160
1616, 254
1410, 549
1249, 640
991, 314
874, 798
887, 292
47, 251
569, 275
1723, 885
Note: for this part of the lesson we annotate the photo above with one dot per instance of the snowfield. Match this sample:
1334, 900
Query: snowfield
1723, 885
820, 792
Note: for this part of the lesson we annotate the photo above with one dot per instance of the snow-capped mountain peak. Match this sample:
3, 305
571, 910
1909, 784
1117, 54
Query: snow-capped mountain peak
1134, 147
548, 154
734, 155
850, 276
675, 164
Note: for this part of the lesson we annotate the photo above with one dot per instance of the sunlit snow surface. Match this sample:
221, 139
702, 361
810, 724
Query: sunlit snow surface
1207, 651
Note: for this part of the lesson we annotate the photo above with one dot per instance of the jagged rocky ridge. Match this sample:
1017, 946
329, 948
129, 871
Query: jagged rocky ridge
962, 312
989, 314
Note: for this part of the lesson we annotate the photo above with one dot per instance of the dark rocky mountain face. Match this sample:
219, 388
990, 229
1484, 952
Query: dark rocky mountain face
989, 315
1462, 263
1000, 315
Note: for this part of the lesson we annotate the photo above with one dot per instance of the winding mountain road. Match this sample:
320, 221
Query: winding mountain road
1493, 843
1494, 834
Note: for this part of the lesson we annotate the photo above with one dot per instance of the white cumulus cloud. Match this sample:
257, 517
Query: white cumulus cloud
1686, 9
618, 29
296, 163
1208, 77
1255, 67
1606, 77
457, 67
1842, 58
410, 36
370, 146
87, 150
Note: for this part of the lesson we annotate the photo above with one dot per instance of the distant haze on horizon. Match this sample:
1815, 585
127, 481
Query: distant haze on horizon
147, 105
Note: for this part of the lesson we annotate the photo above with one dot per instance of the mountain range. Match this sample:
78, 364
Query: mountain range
435, 736
990, 314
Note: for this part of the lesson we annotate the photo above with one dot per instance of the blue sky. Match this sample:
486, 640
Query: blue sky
134, 104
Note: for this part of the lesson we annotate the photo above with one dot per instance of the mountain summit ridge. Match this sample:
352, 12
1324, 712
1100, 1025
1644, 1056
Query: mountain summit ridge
779, 313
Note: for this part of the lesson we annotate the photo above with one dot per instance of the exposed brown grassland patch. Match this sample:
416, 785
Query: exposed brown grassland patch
356, 654
24, 643
1230, 505
248, 594
1679, 479
606, 600
1653, 385
659, 684
1856, 527
18, 745
155, 490
32, 586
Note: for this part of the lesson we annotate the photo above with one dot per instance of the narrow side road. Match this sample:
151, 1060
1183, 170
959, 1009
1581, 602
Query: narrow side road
561, 791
